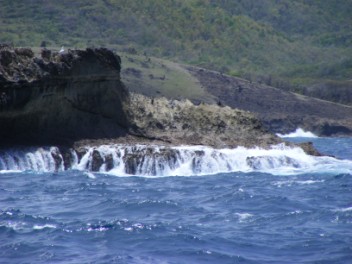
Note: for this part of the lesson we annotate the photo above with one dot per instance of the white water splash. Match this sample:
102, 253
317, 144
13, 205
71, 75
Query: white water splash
90, 175
298, 133
160, 161
34, 159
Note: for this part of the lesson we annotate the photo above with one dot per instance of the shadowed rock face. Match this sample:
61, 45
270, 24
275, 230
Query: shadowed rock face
78, 95
60, 98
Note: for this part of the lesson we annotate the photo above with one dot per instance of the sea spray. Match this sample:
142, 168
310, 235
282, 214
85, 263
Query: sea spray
40, 159
147, 160
298, 133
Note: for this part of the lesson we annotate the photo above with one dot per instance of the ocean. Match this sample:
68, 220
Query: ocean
227, 206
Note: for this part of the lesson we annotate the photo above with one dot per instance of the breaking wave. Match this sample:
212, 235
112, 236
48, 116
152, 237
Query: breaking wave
146, 160
298, 133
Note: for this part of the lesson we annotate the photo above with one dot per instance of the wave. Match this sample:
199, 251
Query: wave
348, 209
41, 227
291, 182
298, 133
146, 160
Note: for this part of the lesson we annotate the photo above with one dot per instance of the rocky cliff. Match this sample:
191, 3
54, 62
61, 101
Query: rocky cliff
75, 96
60, 98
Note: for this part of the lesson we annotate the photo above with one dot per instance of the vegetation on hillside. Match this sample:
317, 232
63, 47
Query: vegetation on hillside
289, 44
156, 77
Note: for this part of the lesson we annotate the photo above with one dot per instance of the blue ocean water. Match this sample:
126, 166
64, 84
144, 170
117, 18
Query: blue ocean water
237, 217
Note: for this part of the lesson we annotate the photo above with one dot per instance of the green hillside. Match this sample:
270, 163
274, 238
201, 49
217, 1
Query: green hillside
290, 44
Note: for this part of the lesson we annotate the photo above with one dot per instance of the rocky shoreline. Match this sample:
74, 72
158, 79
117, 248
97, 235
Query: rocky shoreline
78, 96
152, 159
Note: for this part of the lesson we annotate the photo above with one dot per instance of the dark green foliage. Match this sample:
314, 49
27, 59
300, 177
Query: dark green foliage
286, 40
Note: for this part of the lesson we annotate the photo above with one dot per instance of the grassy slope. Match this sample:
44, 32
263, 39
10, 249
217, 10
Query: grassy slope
278, 42
157, 77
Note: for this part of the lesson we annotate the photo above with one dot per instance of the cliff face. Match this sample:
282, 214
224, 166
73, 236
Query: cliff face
60, 98
78, 95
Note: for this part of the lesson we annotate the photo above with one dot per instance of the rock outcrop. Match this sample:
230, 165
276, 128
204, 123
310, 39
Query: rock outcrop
182, 122
62, 98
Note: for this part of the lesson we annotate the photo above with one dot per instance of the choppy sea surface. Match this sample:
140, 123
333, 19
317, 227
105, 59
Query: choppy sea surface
254, 216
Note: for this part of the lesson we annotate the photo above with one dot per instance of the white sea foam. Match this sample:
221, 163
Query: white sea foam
17, 226
296, 212
40, 227
98, 229
23, 226
159, 161
9, 171
291, 182
308, 182
347, 209
298, 133
242, 217
90, 175
13, 225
